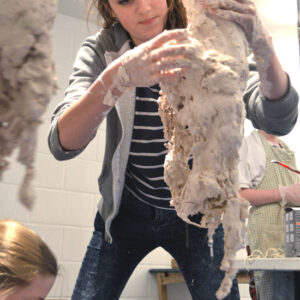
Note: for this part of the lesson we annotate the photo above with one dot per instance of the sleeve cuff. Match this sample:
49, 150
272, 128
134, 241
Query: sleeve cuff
55, 146
284, 98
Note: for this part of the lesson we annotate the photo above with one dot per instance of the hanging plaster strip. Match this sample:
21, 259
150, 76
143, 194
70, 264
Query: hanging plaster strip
27, 81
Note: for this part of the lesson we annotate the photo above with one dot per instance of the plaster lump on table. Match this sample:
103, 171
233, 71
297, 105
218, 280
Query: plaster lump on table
26, 80
203, 117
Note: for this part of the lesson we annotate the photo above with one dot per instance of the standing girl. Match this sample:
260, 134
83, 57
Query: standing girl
116, 76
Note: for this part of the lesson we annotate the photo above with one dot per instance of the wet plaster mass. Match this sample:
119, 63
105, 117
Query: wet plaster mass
203, 118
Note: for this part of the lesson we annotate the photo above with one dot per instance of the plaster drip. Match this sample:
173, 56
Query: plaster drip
26, 81
203, 117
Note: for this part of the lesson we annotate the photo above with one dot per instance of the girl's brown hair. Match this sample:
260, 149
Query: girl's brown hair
23, 256
176, 13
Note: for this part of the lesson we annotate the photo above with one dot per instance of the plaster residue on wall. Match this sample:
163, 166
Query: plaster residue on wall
203, 118
27, 81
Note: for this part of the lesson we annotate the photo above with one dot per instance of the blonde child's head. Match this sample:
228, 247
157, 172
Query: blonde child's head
23, 257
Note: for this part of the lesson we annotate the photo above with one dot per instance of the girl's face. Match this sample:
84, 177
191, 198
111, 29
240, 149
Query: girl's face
143, 19
37, 290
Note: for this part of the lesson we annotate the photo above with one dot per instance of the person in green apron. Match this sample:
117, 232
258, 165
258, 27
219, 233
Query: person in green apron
269, 188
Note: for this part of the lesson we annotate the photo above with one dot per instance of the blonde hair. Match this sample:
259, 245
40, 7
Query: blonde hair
176, 13
23, 256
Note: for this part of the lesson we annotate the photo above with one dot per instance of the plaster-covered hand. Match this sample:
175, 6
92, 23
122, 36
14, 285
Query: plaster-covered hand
162, 59
290, 193
244, 13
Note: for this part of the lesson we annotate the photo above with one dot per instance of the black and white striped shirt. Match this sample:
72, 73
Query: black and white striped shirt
145, 168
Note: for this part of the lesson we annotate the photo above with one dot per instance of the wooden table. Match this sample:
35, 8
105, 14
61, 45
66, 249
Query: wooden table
167, 276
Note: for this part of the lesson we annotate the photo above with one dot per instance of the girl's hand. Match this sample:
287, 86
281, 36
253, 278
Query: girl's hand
273, 79
162, 59
244, 13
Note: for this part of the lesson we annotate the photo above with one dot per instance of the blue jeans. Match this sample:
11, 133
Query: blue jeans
136, 231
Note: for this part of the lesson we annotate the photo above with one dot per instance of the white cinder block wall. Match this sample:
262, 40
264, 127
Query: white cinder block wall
67, 192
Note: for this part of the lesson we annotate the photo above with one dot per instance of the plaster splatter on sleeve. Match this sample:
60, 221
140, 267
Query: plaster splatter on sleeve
203, 117
26, 81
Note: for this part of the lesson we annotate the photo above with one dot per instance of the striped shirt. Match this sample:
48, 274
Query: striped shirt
145, 168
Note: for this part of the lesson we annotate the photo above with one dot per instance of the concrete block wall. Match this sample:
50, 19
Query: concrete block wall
67, 192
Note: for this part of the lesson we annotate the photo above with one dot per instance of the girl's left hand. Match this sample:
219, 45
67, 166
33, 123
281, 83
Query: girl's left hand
244, 13
273, 80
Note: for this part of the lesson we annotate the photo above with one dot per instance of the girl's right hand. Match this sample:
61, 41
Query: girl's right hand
162, 59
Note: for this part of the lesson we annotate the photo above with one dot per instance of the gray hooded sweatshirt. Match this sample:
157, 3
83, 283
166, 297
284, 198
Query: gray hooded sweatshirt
99, 50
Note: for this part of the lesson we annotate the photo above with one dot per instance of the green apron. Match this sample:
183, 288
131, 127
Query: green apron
265, 222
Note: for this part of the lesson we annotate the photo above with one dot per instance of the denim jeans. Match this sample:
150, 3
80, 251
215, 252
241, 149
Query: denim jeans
137, 230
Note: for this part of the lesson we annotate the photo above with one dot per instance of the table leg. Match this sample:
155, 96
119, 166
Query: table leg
162, 288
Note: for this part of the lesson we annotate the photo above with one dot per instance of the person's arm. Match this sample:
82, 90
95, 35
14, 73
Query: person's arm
283, 194
252, 168
79, 123
274, 82
87, 66
274, 117
261, 197
145, 65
